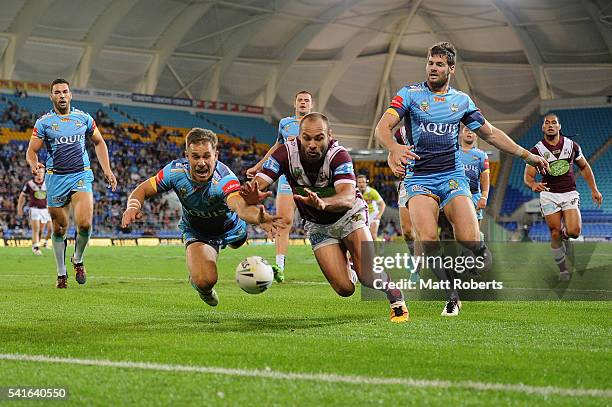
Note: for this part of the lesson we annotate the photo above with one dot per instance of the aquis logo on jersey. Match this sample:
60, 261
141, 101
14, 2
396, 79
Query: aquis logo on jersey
77, 138
439, 129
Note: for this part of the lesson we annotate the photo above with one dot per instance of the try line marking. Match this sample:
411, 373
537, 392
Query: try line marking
318, 377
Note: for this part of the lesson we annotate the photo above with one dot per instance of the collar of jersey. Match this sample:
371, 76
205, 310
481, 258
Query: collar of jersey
437, 93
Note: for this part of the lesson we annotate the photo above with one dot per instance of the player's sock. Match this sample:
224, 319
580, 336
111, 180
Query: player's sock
393, 295
559, 256
280, 261
59, 250
82, 237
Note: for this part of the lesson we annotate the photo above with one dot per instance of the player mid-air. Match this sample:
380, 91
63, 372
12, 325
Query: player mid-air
559, 200
432, 112
376, 205
36, 192
320, 173
288, 129
214, 213
64, 131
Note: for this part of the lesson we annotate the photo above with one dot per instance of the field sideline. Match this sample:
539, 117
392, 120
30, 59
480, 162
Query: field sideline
137, 333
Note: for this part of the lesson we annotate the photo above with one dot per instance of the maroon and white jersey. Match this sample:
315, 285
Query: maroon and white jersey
336, 167
37, 194
561, 158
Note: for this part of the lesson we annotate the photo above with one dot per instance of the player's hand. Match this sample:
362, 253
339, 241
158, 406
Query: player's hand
540, 164
597, 197
130, 215
398, 170
401, 154
271, 224
482, 203
111, 180
311, 199
539, 187
36, 167
249, 191
251, 172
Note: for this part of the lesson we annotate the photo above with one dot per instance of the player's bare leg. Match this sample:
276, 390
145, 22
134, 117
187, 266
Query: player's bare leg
461, 214
409, 238
35, 224
45, 234
424, 216
557, 234
285, 207
374, 225
334, 265
361, 248
60, 218
202, 265
82, 203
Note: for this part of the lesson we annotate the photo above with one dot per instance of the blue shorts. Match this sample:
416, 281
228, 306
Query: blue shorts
60, 187
475, 199
442, 187
283, 187
234, 238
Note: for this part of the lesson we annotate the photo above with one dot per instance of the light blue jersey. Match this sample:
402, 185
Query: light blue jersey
432, 125
475, 162
64, 137
206, 216
288, 127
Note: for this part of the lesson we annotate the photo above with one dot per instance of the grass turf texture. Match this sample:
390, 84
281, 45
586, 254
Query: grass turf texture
138, 306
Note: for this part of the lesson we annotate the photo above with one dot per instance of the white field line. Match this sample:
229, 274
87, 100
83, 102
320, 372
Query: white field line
320, 377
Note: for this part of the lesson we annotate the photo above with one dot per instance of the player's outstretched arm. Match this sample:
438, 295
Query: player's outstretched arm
255, 214
133, 211
32, 154
102, 154
589, 177
343, 200
398, 154
501, 140
530, 181
251, 172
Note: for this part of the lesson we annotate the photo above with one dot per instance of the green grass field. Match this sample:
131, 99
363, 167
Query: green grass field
296, 344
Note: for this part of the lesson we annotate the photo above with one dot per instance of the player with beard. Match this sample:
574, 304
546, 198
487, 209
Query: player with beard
36, 191
288, 129
432, 112
321, 175
214, 213
69, 177
559, 200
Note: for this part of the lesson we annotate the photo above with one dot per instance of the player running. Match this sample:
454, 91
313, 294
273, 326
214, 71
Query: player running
36, 191
476, 165
376, 205
559, 200
320, 173
432, 112
69, 177
288, 129
214, 213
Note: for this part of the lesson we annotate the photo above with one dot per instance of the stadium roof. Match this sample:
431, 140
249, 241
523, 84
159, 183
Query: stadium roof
352, 54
